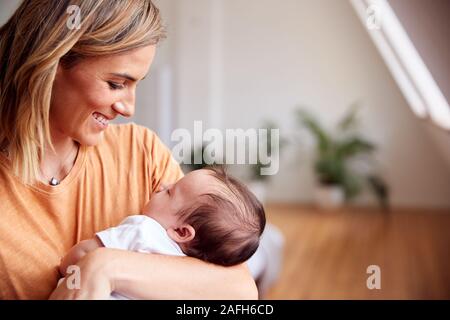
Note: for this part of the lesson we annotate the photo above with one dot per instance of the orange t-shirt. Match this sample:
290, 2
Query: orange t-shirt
40, 223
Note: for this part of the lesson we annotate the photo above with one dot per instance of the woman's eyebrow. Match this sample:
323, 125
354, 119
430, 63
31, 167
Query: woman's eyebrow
126, 76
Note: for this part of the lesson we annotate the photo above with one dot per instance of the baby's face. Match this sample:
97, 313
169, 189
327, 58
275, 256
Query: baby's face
165, 205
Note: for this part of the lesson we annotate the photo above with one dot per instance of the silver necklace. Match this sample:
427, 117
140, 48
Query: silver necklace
53, 181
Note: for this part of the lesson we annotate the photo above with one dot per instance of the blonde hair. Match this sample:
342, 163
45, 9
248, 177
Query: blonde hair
32, 44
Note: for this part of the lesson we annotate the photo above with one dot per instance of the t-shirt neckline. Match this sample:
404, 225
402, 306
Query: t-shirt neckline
62, 186
73, 174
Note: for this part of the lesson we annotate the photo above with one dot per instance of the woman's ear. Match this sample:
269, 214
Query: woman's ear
183, 233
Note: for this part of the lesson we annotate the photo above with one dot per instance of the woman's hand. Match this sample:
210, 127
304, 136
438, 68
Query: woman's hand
77, 252
94, 281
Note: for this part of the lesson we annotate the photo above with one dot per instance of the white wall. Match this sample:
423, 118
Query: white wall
315, 53
7, 8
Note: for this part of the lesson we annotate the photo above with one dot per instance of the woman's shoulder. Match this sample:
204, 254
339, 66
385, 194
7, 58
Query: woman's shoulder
127, 131
128, 136
131, 141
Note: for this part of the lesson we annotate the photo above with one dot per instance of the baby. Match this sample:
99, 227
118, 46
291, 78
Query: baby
206, 214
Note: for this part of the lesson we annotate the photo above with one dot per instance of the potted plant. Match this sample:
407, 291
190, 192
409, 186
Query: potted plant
337, 180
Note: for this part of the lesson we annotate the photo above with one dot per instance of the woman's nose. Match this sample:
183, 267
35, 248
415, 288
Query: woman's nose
125, 110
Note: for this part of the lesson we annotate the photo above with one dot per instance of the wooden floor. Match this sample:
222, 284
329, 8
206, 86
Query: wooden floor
327, 253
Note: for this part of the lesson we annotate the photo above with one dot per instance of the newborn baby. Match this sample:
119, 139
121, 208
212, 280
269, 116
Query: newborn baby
206, 214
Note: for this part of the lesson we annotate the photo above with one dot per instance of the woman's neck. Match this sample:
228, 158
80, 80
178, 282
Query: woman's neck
57, 162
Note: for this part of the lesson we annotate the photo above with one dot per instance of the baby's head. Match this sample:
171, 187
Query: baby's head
211, 215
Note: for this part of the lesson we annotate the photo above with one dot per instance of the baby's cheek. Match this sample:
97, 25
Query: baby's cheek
155, 203
147, 208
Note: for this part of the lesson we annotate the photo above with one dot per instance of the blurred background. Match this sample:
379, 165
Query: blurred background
359, 90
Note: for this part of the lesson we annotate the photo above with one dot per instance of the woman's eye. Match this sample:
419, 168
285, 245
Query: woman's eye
115, 85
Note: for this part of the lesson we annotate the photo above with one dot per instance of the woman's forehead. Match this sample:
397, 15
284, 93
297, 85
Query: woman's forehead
134, 63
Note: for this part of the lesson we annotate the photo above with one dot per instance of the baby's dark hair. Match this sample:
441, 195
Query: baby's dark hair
228, 223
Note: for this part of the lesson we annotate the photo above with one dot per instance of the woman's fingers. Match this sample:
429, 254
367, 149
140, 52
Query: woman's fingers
90, 281
100, 291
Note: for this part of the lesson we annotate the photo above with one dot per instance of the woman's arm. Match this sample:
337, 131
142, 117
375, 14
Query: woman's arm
152, 276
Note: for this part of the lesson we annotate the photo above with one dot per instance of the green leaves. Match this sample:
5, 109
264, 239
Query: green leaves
330, 169
353, 146
322, 138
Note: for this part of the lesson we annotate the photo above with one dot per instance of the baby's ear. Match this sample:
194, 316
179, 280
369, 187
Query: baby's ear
183, 233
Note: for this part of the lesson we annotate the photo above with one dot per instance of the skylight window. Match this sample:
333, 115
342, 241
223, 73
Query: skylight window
404, 62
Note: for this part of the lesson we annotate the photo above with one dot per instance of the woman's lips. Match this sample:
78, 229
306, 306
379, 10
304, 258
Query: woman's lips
100, 119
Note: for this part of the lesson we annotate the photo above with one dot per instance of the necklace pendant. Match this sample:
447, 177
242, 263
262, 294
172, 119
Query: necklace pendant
54, 182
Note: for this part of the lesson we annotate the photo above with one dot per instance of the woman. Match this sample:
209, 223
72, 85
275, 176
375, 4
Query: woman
65, 173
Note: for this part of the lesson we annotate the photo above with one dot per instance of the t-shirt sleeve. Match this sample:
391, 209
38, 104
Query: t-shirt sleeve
163, 168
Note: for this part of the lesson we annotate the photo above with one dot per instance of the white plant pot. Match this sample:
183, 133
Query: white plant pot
329, 196
259, 189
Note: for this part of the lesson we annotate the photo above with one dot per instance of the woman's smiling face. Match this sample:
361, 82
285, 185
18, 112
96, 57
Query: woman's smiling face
88, 95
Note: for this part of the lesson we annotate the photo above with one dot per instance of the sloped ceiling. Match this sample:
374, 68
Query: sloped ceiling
428, 26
